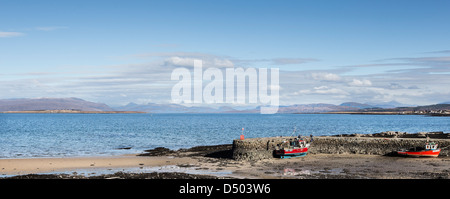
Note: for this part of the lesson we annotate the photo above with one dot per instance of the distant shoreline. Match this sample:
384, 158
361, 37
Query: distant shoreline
141, 112
386, 113
371, 113
73, 111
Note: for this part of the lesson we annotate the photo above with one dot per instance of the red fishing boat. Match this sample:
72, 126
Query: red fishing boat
293, 148
430, 150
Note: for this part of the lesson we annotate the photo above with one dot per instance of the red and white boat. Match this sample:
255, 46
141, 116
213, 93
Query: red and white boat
292, 148
430, 150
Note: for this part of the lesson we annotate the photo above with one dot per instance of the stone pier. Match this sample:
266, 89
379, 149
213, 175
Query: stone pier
252, 149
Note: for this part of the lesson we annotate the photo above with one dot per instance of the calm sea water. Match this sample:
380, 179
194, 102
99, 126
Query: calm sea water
62, 135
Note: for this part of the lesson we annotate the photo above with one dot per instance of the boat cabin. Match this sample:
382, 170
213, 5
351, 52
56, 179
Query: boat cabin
292, 143
428, 146
431, 146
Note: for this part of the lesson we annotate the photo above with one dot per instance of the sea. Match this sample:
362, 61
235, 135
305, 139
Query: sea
81, 135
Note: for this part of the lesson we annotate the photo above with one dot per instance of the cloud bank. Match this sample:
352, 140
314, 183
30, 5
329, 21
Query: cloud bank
10, 34
421, 80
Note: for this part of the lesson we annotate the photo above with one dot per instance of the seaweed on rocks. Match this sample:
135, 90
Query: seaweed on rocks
213, 151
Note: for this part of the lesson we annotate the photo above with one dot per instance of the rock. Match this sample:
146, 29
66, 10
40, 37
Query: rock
390, 134
422, 134
124, 148
158, 151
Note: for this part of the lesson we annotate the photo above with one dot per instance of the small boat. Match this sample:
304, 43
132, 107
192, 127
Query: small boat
430, 150
293, 148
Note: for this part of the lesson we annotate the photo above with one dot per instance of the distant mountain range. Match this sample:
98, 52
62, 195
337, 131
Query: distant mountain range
391, 104
38, 104
172, 108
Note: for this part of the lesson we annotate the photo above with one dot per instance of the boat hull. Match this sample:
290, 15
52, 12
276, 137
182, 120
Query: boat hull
292, 155
424, 153
288, 153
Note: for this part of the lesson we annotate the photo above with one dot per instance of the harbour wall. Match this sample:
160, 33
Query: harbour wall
251, 149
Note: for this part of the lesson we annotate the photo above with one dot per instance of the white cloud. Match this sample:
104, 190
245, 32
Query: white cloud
180, 61
305, 91
357, 82
395, 86
331, 91
321, 87
206, 62
10, 34
222, 63
326, 76
323, 90
150, 82
275, 87
287, 61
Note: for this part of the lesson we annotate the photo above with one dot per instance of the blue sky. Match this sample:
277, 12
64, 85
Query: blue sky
328, 51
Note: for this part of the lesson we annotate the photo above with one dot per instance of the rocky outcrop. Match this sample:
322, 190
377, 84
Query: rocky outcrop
262, 148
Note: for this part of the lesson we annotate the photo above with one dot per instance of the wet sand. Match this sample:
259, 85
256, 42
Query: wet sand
351, 166
216, 162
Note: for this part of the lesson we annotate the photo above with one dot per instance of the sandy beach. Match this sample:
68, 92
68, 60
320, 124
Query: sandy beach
214, 162
70, 165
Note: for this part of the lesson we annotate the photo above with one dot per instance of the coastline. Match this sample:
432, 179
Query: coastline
74, 111
215, 162
386, 113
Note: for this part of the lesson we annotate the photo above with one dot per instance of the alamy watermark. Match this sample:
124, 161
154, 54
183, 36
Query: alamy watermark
190, 88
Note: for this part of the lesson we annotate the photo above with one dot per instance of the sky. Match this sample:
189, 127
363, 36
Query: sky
117, 52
